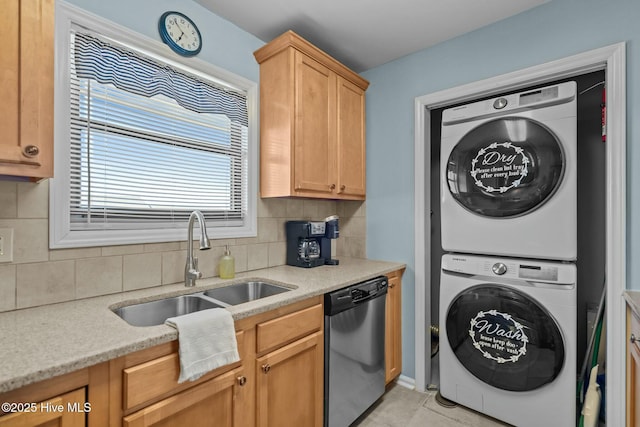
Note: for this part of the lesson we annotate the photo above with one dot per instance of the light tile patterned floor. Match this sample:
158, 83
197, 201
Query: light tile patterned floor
401, 407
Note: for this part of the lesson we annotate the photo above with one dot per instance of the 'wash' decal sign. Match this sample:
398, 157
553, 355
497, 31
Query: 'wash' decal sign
498, 336
499, 167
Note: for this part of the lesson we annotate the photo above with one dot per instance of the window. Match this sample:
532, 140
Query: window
143, 142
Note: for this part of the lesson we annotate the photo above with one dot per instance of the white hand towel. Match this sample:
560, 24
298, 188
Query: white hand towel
207, 340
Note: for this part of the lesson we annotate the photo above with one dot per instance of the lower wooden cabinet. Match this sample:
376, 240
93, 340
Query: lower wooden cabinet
67, 410
281, 354
633, 370
278, 382
393, 327
218, 402
290, 384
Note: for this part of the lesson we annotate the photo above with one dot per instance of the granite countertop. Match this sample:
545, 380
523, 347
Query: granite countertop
43, 342
633, 301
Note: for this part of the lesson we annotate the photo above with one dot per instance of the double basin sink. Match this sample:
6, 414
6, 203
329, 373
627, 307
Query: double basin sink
156, 312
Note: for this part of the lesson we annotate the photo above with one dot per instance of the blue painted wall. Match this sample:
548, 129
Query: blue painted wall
224, 44
554, 30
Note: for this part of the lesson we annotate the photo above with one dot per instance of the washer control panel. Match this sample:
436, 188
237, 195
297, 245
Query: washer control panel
510, 268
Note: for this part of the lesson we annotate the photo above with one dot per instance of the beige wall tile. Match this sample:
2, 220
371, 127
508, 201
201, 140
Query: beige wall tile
24, 207
350, 208
122, 250
173, 267
141, 271
30, 239
7, 287
33, 199
257, 256
267, 230
162, 247
61, 254
272, 208
8, 199
277, 254
295, 208
318, 210
45, 283
353, 227
98, 276
355, 247
240, 253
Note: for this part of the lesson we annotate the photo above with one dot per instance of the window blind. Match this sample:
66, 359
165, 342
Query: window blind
151, 143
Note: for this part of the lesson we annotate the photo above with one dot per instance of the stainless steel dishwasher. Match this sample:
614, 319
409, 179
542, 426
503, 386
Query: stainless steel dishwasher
354, 350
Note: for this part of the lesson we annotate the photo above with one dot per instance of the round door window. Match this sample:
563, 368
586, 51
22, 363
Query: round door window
505, 338
505, 167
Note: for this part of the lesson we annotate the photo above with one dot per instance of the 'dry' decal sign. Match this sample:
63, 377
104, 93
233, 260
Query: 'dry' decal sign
499, 167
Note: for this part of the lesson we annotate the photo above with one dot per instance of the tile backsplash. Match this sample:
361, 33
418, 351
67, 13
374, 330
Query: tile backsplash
39, 275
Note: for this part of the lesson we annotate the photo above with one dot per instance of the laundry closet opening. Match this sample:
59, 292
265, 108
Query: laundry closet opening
590, 226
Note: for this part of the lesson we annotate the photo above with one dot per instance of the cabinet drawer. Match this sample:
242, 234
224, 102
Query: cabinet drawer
277, 332
159, 377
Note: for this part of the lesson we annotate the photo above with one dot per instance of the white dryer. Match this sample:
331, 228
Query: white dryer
509, 175
508, 338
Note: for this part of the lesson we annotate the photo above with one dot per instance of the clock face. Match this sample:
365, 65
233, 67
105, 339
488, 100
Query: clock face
180, 33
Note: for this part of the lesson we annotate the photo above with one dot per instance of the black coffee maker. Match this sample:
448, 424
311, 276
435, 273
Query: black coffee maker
309, 242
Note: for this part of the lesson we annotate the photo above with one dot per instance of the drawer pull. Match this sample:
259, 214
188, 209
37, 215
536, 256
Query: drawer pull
266, 368
633, 339
242, 380
31, 151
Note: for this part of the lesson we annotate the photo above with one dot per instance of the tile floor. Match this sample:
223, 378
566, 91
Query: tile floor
401, 407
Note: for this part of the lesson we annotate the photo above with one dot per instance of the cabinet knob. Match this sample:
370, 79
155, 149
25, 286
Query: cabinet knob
342, 187
332, 186
392, 285
633, 339
242, 380
266, 368
31, 151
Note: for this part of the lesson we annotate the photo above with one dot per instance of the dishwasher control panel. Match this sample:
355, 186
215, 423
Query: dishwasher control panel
343, 299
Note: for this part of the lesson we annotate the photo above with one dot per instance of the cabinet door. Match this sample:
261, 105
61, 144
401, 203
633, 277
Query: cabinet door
314, 134
26, 88
290, 384
393, 329
63, 411
217, 402
351, 140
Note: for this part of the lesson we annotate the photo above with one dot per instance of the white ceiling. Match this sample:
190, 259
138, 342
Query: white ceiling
363, 34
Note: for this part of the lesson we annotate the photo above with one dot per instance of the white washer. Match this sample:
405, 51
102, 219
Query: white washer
509, 175
508, 338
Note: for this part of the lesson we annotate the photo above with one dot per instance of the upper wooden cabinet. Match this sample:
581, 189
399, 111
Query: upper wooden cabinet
312, 123
26, 88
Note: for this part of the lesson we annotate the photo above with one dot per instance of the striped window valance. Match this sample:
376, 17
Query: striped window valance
110, 64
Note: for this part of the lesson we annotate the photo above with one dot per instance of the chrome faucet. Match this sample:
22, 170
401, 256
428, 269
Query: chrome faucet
191, 272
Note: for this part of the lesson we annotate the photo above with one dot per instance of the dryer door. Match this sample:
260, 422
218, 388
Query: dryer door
505, 167
505, 338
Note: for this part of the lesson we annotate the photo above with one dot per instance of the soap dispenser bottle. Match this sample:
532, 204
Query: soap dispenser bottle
227, 266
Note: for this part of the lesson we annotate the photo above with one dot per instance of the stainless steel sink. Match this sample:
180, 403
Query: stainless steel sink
239, 293
156, 312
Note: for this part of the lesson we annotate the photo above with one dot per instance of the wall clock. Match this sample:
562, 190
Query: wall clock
180, 33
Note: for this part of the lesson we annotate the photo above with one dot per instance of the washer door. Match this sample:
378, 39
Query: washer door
505, 167
505, 338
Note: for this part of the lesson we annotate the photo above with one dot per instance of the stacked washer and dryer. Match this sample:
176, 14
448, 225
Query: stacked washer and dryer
508, 291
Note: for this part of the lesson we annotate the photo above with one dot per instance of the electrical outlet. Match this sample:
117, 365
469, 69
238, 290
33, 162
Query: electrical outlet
6, 244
